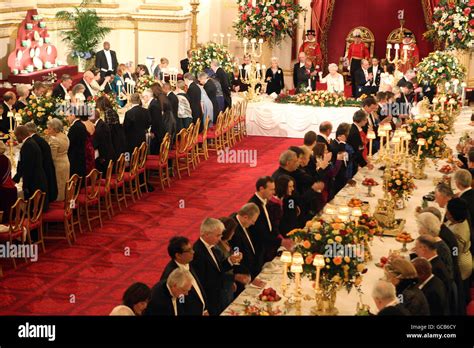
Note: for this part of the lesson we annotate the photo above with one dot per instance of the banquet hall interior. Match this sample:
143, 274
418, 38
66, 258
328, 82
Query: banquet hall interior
236, 158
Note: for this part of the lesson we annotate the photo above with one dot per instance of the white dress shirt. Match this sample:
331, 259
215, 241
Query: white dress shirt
264, 201
194, 282
91, 90
173, 301
246, 234
422, 285
374, 72
209, 249
108, 56
366, 73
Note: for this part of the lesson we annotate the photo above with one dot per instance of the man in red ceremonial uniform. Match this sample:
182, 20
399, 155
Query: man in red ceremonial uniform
357, 51
412, 55
312, 49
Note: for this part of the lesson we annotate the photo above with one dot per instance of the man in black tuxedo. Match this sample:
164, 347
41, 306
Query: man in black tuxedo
106, 60
173, 99
245, 242
223, 78
77, 145
355, 140
425, 246
370, 107
385, 298
364, 80
325, 130
30, 165
185, 62
404, 103
86, 81
48, 164
136, 123
306, 76
103, 145
168, 297
61, 90
211, 91
376, 71
432, 287
181, 252
463, 180
194, 96
9, 99
298, 70
408, 77
339, 149
210, 265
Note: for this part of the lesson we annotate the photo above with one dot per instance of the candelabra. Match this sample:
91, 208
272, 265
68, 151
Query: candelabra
11, 132
219, 38
286, 258
254, 73
397, 60
194, 28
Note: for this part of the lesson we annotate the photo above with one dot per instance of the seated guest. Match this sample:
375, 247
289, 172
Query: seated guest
210, 265
286, 209
59, 144
141, 70
8, 190
30, 166
136, 123
385, 298
405, 101
343, 151
87, 81
364, 80
76, 153
237, 84
443, 194
246, 242
401, 273
23, 92
181, 253
134, 301
429, 224
61, 90
463, 181
382, 111
185, 114
39, 90
457, 214
103, 145
358, 140
229, 286
334, 80
168, 297
99, 84
274, 78
78, 97
310, 139
325, 130
432, 287
48, 164
409, 76
387, 78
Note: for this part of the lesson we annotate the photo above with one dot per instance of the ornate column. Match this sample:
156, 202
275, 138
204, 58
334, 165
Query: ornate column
194, 28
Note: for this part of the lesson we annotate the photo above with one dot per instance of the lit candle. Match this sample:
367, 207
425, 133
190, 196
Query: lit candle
222, 38
10, 116
229, 36
396, 142
371, 137
455, 85
215, 37
319, 263
344, 210
389, 48
397, 48
463, 98
421, 142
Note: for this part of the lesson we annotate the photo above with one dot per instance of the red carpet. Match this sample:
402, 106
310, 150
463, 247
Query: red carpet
90, 277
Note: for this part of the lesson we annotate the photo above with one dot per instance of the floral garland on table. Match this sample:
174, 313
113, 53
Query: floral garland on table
453, 24
316, 98
40, 111
401, 184
203, 56
433, 129
145, 82
271, 20
439, 67
321, 237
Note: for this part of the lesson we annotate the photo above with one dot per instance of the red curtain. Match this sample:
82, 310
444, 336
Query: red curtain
334, 19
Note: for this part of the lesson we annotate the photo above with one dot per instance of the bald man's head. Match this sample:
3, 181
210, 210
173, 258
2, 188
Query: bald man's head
21, 133
9, 98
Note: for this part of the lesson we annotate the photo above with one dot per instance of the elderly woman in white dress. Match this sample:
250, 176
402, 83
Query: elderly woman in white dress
334, 80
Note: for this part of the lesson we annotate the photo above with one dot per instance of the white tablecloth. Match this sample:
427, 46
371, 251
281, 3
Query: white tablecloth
346, 302
267, 118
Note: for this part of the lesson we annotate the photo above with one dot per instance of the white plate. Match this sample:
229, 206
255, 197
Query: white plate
37, 52
36, 36
32, 53
19, 55
38, 63
48, 50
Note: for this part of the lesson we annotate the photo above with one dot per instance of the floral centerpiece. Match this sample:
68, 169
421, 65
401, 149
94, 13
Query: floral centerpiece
340, 243
91, 101
439, 67
316, 98
203, 56
433, 129
401, 184
370, 225
453, 24
40, 110
145, 82
271, 20
254, 310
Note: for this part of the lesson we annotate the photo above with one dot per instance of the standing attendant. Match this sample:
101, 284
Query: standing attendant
106, 60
